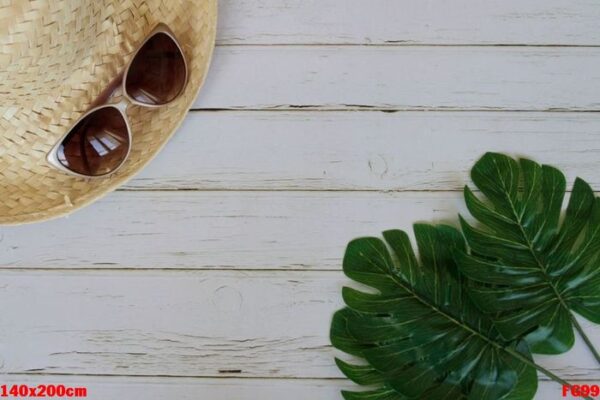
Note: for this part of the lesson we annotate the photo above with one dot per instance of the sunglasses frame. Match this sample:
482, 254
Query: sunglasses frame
115, 89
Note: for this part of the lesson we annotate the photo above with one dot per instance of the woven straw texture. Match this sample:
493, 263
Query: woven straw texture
57, 57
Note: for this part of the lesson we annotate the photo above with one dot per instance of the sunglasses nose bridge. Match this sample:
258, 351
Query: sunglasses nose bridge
122, 106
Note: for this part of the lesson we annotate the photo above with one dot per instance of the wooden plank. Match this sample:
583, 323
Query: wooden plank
544, 22
223, 230
220, 230
363, 151
150, 388
419, 78
199, 324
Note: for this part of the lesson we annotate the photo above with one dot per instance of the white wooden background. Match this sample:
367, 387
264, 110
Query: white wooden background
215, 276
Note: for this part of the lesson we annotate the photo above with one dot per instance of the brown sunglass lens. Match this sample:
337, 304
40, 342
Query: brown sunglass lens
157, 74
97, 145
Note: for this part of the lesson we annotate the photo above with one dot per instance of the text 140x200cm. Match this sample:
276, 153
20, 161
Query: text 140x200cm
42, 391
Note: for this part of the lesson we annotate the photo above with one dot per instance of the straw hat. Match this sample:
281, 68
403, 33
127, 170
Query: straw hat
56, 57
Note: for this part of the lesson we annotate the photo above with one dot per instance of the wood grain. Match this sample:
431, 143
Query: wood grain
411, 78
537, 22
363, 151
151, 388
223, 287
198, 324
160, 388
218, 230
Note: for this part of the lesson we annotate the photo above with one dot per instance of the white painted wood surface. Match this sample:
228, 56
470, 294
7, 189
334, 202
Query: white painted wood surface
149, 388
215, 324
404, 78
220, 230
537, 22
273, 230
215, 277
363, 151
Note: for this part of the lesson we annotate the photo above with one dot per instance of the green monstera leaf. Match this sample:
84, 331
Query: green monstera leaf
533, 269
418, 331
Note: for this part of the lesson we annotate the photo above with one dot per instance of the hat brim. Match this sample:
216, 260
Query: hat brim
54, 78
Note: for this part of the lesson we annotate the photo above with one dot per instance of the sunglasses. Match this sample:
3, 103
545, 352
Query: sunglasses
100, 141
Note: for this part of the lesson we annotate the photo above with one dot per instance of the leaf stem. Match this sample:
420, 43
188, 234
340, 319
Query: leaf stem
585, 338
538, 367
543, 269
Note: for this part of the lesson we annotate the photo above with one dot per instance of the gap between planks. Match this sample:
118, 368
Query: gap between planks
390, 110
291, 190
400, 43
182, 377
202, 377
